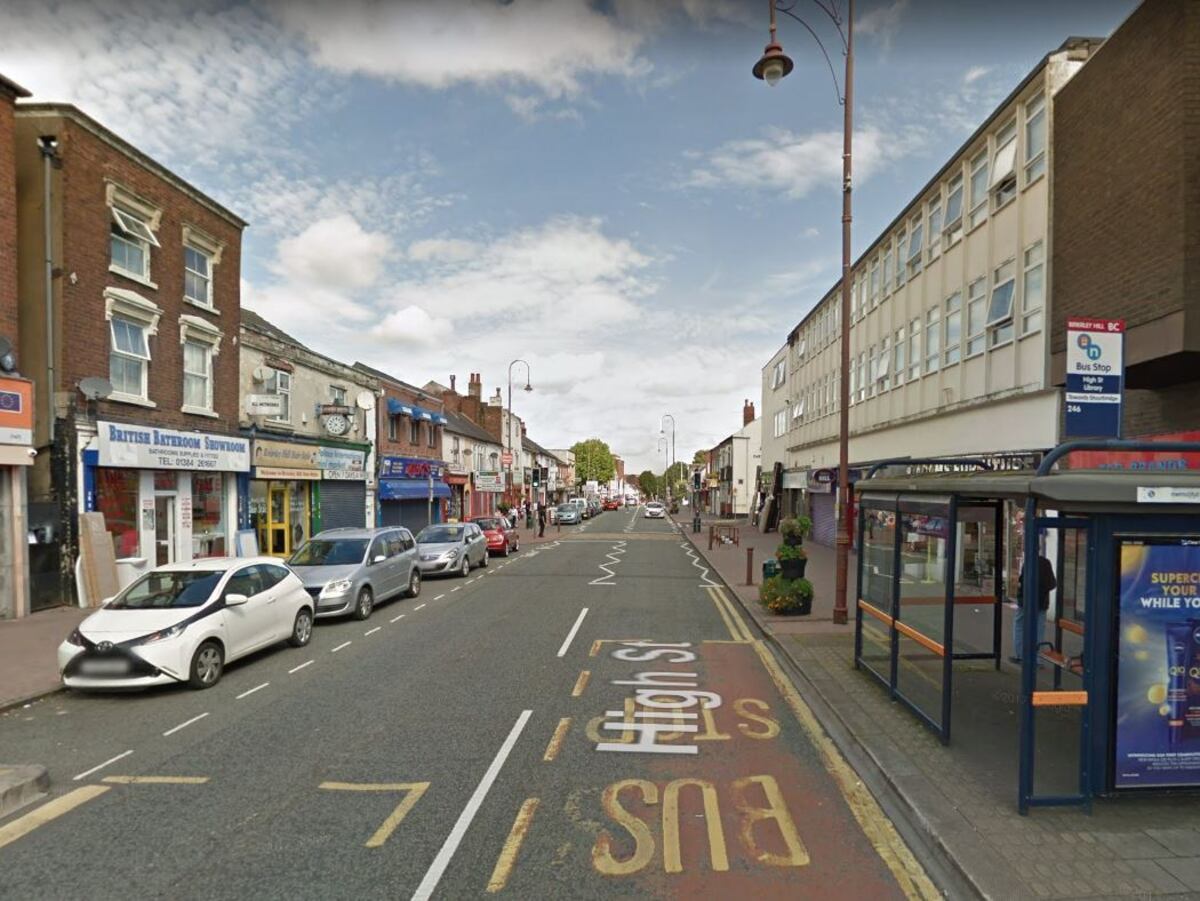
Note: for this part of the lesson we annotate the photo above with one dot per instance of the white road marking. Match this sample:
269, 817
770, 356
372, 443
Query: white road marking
344, 644
296, 669
251, 691
439, 597
571, 635
614, 557
445, 855
396, 619
103, 765
418, 607
452, 590
184, 724
372, 631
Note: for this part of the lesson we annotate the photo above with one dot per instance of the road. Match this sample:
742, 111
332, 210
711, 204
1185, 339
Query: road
591, 718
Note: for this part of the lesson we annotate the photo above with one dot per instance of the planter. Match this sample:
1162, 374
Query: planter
805, 608
793, 569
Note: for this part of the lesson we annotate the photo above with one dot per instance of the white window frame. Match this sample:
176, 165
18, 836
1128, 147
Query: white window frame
952, 351
934, 249
203, 243
1035, 162
200, 331
337, 395
779, 375
978, 190
124, 304
899, 360
853, 382
914, 349
874, 282
1003, 179
916, 245
207, 375
143, 359
280, 390
136, 221
862, 376
901, 259
977, 298
393, 428
886, 275
952, 229
1000, 327
1033, 259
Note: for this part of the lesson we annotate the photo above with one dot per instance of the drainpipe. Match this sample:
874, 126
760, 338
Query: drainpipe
48, 145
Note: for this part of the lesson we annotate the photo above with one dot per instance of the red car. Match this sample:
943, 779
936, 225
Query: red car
611, 504
501, 539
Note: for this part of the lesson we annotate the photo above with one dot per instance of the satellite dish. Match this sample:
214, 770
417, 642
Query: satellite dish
365, 400
94, 388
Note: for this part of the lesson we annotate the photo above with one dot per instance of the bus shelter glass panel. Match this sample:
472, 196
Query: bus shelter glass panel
878, 567
926, 557
978, 578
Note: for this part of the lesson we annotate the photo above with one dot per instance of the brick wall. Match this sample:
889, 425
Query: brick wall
1126, 201
402, 445
8, 221
82, 329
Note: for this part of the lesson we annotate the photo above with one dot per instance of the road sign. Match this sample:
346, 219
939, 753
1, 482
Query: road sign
264, 404
506, 458
1095, 377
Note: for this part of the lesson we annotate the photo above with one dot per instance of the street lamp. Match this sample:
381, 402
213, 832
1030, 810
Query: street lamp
508, 428
663, 432
773, 66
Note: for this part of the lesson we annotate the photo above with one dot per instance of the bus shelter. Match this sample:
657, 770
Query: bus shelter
1119, 648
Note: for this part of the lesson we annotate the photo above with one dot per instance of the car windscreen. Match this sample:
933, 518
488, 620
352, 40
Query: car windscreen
566, 508
330, 552
487, 524
158, 590
440, 534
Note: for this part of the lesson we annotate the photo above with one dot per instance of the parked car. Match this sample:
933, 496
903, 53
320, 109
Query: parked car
582, 505
612, 504
353, 570
501, 538
631, 501
654, 510
184, 622
594, 507
568, 514
451, 548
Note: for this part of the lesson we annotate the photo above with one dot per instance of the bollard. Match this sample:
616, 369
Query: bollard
749, 566
711, 531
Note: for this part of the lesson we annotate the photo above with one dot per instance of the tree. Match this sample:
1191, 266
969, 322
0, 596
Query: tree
593, 461
649, 484
700, 458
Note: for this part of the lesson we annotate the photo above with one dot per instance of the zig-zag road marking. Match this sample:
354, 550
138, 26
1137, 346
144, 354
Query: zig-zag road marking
614, 556
706, 581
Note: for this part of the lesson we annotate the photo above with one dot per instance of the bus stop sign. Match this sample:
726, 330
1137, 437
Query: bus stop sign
1095, 377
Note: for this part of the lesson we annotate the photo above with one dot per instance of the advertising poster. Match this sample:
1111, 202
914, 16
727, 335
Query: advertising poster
1158, 675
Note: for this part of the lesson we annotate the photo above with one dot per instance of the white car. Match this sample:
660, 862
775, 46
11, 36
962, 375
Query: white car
654, 510
183, 622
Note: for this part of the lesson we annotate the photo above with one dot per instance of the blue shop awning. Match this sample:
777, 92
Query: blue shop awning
421, 413
395, 408
410, 489
440, 419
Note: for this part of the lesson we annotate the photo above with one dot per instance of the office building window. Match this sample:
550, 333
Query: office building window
914, 349
1004, 162
1033, 294
979, 189
1000, 308
1035, 138
933, 340
953, 328
976, 315
952, 229
899, 348
935, 231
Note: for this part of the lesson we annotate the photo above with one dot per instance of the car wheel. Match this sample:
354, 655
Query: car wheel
365, 604
465, 569
302, 629
517, 546
208, 663
414, 583
505, 551
483, 563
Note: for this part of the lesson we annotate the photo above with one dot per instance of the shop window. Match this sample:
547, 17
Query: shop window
117, 499
166, 480
208, 515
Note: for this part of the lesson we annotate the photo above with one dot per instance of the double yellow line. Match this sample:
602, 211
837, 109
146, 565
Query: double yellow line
738, 630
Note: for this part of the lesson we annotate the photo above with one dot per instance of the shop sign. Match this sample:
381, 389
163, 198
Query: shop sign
410, 468
335, 410
506, 458
283, 473
1168, 495
264, 404
16, 411
286, 455
1095, 377
344, 475
145, 447
1142, 460
1158, 664
342, 459
492, 482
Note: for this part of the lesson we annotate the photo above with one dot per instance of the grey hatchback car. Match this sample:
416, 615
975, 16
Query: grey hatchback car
453, 547
352, 570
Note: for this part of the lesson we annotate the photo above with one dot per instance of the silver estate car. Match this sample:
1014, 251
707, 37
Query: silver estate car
453, 547
352, 570
568, 514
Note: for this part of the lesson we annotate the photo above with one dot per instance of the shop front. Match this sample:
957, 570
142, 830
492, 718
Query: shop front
459, 504
16, 453
167, 496
411, 492
297, 489
489, 488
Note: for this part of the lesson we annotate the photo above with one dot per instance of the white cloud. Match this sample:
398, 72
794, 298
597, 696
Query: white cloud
413, 325
975, 73
452, 250
333, 253
882, 22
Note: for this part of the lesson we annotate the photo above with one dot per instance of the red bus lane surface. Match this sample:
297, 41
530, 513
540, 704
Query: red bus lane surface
717, 789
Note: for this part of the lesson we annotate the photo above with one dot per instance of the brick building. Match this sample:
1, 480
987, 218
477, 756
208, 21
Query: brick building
1126, 214
16, 397
130, 344
409, 431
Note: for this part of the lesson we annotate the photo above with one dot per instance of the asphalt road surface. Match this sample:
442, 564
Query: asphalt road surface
591, 718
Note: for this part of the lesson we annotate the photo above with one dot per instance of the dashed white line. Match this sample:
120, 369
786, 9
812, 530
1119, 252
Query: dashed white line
439, 597
438, 867
344, 644
396, 619
452, 590
102, 765
296, 669
184, 724
251, 691
372, 631
418, 607
571, 635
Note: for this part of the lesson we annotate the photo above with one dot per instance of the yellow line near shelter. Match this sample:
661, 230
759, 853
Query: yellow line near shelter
155, 780
49, 811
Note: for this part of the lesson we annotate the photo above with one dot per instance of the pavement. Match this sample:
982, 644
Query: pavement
958, 803
593, 717
28, 668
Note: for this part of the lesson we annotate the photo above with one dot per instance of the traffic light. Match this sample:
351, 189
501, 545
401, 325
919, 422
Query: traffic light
537, 476
696, 480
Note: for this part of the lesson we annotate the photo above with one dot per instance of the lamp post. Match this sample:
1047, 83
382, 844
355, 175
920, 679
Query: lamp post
508, 427
773, 66
663, 432
665, 447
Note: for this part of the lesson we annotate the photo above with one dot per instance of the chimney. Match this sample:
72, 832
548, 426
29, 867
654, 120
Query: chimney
496, 400
475, 386
747, 412
453, 378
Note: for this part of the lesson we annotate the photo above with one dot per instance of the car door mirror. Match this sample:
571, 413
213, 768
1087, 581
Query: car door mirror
235, 600
378, 558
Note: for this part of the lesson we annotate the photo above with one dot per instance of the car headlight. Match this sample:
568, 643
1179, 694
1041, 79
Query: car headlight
450, 554
339, 586
164, 634
75, 638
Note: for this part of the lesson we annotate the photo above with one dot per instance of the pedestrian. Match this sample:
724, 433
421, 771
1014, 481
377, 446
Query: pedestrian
1046, 584
541, 520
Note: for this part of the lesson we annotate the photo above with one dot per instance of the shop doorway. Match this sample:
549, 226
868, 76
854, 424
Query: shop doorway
279, 513
164, 529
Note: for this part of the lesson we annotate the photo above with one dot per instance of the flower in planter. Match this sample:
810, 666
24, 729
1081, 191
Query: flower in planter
787, 596
795, 529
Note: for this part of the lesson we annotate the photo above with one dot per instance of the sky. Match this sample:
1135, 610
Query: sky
602, 189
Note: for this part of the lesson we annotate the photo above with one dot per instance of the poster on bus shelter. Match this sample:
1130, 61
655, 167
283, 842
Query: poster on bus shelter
1158, 675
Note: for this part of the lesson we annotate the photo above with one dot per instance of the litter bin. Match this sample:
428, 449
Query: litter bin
769, 568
